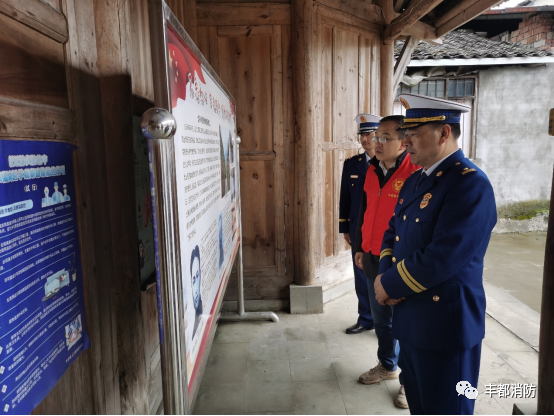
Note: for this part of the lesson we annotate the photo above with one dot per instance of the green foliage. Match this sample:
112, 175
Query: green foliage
523, 210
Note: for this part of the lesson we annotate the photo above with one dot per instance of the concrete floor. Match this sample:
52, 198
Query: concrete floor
306, 364
514, 262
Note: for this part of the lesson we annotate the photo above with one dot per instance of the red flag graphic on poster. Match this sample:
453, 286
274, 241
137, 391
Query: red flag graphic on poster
184, 68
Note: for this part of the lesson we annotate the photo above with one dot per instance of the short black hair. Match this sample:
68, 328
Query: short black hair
397, 119
195, 253
455, 129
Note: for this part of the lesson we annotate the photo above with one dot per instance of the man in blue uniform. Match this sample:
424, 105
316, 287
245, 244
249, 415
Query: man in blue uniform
431, 267
351, 189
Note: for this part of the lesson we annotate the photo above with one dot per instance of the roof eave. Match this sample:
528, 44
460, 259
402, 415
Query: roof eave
481, 61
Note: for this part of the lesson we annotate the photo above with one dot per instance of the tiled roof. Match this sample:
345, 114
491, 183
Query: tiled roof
462, 44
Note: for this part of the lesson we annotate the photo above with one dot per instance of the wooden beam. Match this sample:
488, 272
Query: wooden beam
307, 216
232, 14
386, 70
423, 31
37, 15
23, 119
461, 6
545, 399
403, 61
466, 11
361, 9
415, 11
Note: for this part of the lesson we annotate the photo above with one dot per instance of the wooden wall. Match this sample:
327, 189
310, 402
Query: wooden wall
346, 85
249, 47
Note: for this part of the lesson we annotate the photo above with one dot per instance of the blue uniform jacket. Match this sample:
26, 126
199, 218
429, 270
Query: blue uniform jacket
433, 253
351, 189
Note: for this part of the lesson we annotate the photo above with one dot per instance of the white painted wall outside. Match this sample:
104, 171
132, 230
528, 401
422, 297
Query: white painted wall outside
512, 144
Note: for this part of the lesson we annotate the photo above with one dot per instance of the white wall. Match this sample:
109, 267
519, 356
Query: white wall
512, 143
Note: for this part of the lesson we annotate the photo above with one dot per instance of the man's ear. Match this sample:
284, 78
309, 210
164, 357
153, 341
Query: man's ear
445, 132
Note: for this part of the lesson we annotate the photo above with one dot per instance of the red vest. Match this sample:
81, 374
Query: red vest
381, 203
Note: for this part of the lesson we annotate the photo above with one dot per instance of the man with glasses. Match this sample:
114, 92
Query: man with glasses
352, 183
385, 177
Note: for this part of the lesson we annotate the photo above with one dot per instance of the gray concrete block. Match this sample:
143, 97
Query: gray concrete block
298, 301
306, 299
314, 299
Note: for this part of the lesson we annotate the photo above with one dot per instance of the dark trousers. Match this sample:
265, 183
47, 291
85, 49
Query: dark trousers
364, 308
387, 351
430, 379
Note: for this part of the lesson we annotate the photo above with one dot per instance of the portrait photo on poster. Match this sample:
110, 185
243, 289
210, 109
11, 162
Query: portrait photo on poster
196, 282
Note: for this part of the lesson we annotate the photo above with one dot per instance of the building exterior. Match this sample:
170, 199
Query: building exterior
507, 85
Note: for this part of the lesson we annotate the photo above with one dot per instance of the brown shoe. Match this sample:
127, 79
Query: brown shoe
378, 374
401, 399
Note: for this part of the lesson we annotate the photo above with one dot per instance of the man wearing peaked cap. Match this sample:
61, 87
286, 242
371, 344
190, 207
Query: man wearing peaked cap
352, 183
431, 267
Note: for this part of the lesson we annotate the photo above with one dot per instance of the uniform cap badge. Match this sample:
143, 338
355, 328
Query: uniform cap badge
405, 103
425, 200
363, 119
397, 185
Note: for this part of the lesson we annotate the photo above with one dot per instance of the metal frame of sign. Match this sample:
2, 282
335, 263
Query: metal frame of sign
179, 396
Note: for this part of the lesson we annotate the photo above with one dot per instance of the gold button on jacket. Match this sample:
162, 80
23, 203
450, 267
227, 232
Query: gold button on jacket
436, 298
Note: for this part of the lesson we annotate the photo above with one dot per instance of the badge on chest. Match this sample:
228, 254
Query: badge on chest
425, 200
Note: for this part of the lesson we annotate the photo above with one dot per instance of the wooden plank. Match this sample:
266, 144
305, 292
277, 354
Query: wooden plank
415, 11
149, 305
278, 145
39, 16
423, 31
403, 60
140, 56
360, 8
232, 14
246, 70
346, 21
288, 148
257, 183
113, 48
375, 77
215, 2
23, 119
365, 69
257, 156
234, 31
94, 228
36, 69
190, 23
342, 146
325, 82
268, 285
345, 85
466, 13
328, 199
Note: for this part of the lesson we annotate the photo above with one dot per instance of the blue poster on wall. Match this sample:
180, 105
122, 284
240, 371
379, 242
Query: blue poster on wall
42, 314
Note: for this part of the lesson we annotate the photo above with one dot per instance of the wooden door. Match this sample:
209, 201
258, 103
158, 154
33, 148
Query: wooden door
254, 63
348, 62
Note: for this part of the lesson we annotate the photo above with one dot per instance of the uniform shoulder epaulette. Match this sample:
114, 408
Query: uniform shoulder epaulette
464, 170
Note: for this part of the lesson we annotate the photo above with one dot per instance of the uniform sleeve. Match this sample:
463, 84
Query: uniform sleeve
358, 239
466, 218
385, 260
344, 204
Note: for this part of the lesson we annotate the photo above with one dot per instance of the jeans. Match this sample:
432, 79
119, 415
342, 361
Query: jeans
388, 349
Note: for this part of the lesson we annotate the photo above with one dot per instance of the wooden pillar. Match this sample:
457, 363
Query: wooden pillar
545, 405
113, 46
387, 62
306, 213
